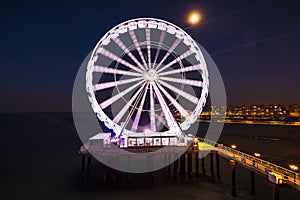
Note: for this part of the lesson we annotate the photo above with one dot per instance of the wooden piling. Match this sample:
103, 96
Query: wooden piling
197, 164
233, 177
169, 165
128, 174
203, 164
105, 173
89, 163
176, 165
190, 165
150, 165
83, 175
212, 164
182, 165
218, 166
252, 183
276, 194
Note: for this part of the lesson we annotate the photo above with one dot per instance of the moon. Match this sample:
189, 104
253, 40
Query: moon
194, 17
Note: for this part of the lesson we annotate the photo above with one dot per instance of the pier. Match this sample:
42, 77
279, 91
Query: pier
191, 164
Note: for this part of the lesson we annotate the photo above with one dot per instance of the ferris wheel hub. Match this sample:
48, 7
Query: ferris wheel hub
151, 75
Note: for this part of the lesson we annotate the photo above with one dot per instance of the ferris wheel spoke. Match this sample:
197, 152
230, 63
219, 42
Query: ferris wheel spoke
111, 100
126, 50
136, 43
114, 71
139, 112
183, 112
119, 116
172, 123
102, 86
117, 59
161, 120
181, 70
183, 81
174, 45
152, 113
184, 94
161, 39
182, 56
148, 46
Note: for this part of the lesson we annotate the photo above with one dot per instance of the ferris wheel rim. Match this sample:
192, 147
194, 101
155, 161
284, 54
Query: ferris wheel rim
102, 115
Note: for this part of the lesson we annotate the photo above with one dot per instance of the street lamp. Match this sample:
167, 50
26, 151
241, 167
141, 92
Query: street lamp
253, 161
233, 146
294, 167
257, 154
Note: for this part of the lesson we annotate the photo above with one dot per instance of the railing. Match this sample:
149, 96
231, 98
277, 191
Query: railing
287, 174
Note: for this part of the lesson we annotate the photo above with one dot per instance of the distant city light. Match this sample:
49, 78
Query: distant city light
233, 146
257, 154
194, 17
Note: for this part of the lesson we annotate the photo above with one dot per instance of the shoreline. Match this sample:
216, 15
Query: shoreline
250, 122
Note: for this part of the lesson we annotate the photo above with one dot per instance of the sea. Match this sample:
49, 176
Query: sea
39, 161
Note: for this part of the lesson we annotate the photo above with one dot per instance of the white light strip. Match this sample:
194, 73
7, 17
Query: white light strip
111, 100
185, 95
135, 41
148, 46
183, 81
126, 50
174, 45
182, 56
102, 86
181, 70
183, 112
161, 120
138, 114
119, 116
161, 39
117, 58
152, 113
107, 70
169, 116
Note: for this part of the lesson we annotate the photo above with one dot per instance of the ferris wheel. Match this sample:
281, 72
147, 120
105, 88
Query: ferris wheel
147, 68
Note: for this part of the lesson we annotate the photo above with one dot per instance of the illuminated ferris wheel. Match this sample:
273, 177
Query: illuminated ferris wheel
141, 73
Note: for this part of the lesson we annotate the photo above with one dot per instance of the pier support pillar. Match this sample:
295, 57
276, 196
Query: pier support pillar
190, 165
175, 168
233, 177
150, 165
252, 183
203, 164
197, 164
182, 165
105, 173
276, 194
83, 175
114, 172
89, 164
212, 164
218, 166
128, 173
169, 165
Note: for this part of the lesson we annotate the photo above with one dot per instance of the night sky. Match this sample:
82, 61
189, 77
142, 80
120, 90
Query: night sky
255, 45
